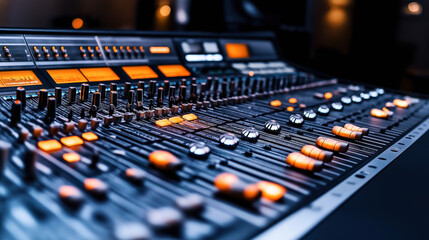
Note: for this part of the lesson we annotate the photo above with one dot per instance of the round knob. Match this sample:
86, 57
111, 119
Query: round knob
373, 94
296, 119
272, 126
346, 100
228, 140
365, 96
250, 134
199, 150
337, 106
324, 110
310, 114
356, 99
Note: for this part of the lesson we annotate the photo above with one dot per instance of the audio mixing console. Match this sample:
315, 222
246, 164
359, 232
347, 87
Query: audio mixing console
136, 135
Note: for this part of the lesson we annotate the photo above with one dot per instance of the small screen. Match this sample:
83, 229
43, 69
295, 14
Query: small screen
99, 74
237, 50
63, 76
174, 70
18, 78
140, 72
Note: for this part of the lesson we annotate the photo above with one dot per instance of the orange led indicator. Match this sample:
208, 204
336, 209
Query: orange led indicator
189, 117
237, 50
18, 78
229, 184
49, 145
89, 136
164, 160
224, 181
290, 109
271, 191
379, 113
276, 103
328, 95
139, 72
71, 157
162, 123
293, 100
71, 141
174, 70
93, 183
99, 74
66, 191
62, 76
332, 144
316, 153
400, 103
175, 119
303, 162
354, 128
345, 133
159, 50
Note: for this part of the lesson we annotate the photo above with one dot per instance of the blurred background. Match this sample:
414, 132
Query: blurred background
380, 42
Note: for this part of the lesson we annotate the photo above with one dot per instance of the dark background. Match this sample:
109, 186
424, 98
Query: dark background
380, 42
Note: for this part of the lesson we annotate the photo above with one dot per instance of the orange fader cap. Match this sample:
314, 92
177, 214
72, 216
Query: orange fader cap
354, 128
345, 133
229, 184
165, 161
316, 153
303, 162
332, 144
271, 191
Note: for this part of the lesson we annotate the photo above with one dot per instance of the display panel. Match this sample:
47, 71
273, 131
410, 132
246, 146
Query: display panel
63, 76
237, 50
99, 74
139, 72
174, 70
18, 78
159, 50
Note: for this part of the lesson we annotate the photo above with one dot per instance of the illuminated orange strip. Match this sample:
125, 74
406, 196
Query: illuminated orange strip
159, 50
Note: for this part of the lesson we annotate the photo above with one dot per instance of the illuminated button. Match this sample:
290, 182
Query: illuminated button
229, 184
324, 110
316, 153
271, 191
272, 126
135, 176
303, 162
191, 204
346, 100
189, 117
71, 157
365, 96
373, 94
71, 141
96, 187
293, 100
296, 120
352, 127
356, 99
49, 145
379, 113
380, 91
400, 103
250, 134
290, 109
89, 136
165, 160
337, 106
332, 144
162, 123
71, 196
175, 119
309, 114
327, 95
159, 50
345, 133
228, 140
276, 103
199, 150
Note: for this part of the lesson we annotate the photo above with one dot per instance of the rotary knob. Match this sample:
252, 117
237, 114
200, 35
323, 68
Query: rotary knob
296, 119
228, 140
346, 100
324, 110
272, 126
310, 114
337, 106
250, 134
199, 150
356, 99
365, 96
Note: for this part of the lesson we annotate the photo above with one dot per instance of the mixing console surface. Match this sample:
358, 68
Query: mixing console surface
192, 137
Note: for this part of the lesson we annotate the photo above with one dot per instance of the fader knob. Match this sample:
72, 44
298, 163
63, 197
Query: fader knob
29, 160
84, 92
102, 90
16, 112
250, 134
43, 98
309, 114
199, 150
58, 95
72, 95
96, 99
228, 140
272, 126
51, 110
21, 96
296, 120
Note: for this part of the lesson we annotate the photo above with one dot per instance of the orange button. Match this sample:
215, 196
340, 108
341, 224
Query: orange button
176, 119
276, 103
303, 162
174, 70
328, 95
164, 160
290, 109
293, 100
224, 181
49, 145
71, 157
400, 103
379, 113
162, 123
89, 136
159, 50
72, 141
66, 191
271, 191
189, 117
